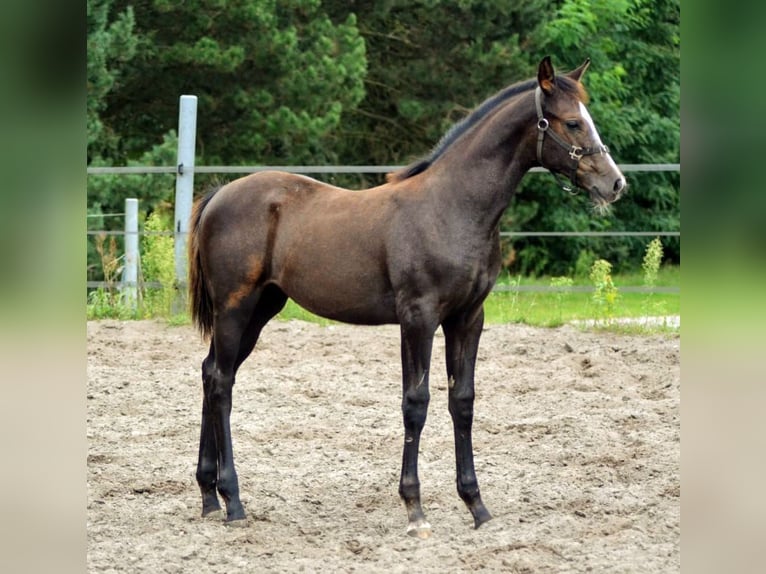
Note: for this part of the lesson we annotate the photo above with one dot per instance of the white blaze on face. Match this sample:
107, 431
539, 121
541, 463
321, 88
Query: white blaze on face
594, 135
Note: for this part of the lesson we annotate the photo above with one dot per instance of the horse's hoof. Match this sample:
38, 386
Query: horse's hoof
236, 522
236, 516
420, 529
481, 517
213, 514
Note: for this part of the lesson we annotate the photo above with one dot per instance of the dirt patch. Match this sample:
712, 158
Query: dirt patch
576, 435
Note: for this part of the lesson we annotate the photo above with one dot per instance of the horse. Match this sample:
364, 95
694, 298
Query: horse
421, 250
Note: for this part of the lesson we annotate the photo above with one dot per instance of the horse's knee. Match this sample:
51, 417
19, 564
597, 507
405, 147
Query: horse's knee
461, 407
415, 406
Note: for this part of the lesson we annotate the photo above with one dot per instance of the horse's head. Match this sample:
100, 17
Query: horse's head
567, 140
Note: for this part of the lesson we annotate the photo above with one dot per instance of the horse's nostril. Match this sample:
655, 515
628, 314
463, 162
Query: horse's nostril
619, 184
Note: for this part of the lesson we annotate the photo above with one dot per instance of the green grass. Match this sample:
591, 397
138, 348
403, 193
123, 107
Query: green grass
551, 309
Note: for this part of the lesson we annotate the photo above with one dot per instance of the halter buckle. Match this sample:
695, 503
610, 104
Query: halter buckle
576, 153
542, 124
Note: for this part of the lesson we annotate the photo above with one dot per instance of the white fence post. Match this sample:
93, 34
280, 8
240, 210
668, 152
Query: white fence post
187, 130
130, 273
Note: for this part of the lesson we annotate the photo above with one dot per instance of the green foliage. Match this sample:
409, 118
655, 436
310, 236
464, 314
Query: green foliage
107, 194
330, 81
272, 78
429, 64
605, 293
111, 44
158, 265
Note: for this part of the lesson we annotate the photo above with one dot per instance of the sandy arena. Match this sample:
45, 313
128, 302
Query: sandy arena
576, 437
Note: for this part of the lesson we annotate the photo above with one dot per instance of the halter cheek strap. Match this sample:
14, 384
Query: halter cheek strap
575, 152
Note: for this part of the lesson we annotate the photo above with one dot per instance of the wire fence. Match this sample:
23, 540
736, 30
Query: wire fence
320, 169
378, 169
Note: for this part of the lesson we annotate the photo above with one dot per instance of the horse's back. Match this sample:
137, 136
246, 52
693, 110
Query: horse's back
250, 193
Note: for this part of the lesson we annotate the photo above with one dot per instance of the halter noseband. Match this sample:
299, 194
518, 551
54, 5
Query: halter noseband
575, 152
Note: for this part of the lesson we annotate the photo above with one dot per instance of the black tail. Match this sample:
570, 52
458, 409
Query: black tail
200, 304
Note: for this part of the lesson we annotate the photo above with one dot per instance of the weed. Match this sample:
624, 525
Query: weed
562, 293
107, 302
652, 260
605, 294
651, 267
514, 283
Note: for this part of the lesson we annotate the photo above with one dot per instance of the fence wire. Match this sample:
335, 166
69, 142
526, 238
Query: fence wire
323, 169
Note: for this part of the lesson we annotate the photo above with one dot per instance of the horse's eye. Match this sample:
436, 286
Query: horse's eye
573, 124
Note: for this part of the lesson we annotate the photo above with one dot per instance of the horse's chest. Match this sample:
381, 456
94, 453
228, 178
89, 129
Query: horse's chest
468, 272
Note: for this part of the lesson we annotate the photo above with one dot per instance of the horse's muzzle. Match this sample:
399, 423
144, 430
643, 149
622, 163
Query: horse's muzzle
620, 186
606, 196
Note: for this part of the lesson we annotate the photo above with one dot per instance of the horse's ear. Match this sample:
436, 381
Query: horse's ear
546, 77
577, 74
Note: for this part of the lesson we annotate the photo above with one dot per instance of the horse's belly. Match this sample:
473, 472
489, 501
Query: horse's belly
361, 310
342, 296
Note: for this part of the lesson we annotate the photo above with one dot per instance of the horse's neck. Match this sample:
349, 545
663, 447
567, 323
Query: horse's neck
484, 168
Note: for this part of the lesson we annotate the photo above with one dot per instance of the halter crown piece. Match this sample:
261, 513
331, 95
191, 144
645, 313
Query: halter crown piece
575, 152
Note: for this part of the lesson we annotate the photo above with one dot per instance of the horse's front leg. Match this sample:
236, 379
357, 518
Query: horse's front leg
417, 342
461, 336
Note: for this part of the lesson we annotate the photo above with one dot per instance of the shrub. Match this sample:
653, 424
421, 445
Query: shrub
158, 266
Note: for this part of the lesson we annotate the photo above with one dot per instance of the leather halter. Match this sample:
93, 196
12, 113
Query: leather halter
575, 152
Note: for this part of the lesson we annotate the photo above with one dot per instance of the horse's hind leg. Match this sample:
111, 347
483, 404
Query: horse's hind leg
235, 336
207, 464
271, 302
215, 468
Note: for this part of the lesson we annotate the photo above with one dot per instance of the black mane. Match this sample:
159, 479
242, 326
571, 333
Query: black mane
463, 126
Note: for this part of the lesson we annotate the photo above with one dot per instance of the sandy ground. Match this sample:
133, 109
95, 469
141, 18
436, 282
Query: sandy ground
576, 435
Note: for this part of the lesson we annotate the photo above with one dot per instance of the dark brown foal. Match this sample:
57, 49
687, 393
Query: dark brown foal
421, 251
